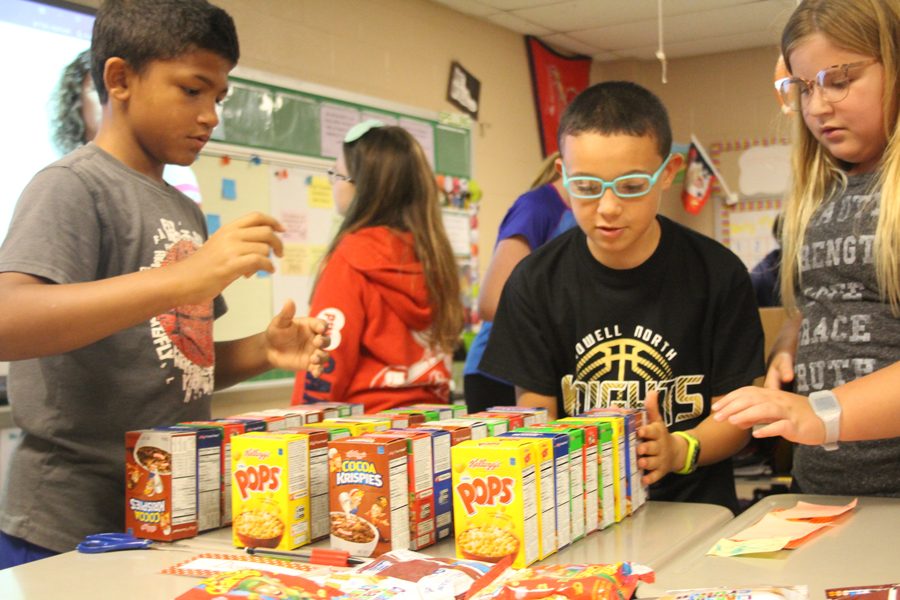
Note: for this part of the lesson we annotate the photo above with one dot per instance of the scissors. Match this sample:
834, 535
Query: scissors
110, 542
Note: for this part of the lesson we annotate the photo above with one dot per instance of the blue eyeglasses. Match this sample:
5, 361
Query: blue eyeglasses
586, 187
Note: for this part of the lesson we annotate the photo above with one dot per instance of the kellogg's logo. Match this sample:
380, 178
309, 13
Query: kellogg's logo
484, 464
257, 479
487, 491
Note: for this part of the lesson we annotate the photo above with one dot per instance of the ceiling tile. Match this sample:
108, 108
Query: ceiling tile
510, 21
469, 7
562, 41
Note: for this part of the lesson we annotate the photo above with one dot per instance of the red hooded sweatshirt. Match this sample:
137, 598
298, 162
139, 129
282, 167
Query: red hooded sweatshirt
373, 296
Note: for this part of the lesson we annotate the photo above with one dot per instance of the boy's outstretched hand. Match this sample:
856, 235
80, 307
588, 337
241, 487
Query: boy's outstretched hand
659, 450
240, 248
296, 343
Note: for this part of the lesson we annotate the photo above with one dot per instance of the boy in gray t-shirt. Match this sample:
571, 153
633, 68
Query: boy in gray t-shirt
109, 288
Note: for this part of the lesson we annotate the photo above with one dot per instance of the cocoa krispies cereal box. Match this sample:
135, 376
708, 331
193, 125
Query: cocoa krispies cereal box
270, 490
496, 494
161, 484
369, 496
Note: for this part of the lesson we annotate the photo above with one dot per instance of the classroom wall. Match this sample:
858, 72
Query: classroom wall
401, 50
718, 97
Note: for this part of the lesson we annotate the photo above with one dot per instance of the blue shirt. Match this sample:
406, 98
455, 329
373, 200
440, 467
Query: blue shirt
538, 215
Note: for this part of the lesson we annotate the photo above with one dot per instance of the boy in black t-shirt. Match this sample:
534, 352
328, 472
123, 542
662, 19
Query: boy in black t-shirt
631, 308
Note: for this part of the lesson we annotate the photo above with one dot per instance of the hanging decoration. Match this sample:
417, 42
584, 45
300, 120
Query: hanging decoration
698, 180
555, 80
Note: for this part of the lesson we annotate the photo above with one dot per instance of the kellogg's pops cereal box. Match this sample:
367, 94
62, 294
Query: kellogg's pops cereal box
495, 500
270, 490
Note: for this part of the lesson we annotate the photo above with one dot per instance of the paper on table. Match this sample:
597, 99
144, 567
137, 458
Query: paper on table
208, 564
807, 510
772, 526
726, 547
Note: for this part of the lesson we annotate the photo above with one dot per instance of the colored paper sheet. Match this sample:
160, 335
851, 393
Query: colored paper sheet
772, 526
213, 222
726, 547
229, 189
320, 193
807, 510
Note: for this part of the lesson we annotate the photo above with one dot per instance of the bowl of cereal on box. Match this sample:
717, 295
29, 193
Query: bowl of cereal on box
487, 543
259, 526
352, 533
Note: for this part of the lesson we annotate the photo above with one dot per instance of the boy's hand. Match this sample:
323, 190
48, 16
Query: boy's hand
296, 344
783, 413
660, 452
780, 371
240, 248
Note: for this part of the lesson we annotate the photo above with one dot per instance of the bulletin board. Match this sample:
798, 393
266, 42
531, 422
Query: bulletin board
761, 169
270, 153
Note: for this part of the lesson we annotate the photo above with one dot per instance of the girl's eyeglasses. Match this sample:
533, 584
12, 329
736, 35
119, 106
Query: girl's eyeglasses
627, 186
833, 83
334, 177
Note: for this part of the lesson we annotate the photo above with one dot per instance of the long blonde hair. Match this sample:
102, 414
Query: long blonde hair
872, 28
396, 188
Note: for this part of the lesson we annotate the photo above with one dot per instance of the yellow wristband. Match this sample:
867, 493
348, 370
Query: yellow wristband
692, 456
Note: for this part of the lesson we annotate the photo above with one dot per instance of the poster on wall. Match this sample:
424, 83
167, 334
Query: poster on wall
555, 81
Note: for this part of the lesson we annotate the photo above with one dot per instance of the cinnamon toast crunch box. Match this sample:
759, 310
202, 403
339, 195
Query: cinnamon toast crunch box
496, 494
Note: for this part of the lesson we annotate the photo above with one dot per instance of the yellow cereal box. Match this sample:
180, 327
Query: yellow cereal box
496, 489
270, 490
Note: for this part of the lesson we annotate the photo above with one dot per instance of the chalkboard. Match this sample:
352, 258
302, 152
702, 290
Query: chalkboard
275, 118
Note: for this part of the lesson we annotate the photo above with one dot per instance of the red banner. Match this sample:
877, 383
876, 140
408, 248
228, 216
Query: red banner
698, 179
556, 80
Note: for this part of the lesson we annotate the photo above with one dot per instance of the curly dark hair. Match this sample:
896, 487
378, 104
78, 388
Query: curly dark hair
66, 121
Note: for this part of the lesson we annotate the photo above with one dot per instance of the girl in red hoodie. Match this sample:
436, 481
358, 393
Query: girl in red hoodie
388, 286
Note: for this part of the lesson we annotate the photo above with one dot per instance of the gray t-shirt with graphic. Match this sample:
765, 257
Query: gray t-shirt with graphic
84, 218
847, 332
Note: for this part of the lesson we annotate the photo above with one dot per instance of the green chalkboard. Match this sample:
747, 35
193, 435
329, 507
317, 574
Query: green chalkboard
269, 117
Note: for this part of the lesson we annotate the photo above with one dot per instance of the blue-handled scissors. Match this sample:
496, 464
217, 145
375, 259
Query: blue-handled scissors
110, 542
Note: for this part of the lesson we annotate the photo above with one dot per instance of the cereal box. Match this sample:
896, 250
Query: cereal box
318, 479
534, 415
345, 409
161, 484
270, 490
493, 425
441, 442
209, 476
477, 429
369, 495
250, 425
426, 414
227, 430
591, 473
547, 474
421, 483
456, 410
632, 473
513, 420
619, 474
296, 417
576, 479
495, 500
335, 431
273, 422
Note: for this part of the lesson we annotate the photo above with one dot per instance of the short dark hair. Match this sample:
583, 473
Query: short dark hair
617, 107
141, 31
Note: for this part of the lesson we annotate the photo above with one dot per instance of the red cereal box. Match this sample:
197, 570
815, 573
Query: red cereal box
161, 484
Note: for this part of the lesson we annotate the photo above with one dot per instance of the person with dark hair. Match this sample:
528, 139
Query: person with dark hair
388, 285
75, 119
765, 273
537, 216
630, 309
109, 287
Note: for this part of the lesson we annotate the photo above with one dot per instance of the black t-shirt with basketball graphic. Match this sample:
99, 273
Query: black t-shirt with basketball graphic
684, 323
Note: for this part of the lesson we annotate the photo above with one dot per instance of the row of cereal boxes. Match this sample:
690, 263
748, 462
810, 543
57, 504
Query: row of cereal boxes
506, 481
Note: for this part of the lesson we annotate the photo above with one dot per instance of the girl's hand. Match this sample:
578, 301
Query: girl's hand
296, 344
781, 413
781, 370
659, 451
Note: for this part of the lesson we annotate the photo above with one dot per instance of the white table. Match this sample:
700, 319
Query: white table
654, 536
860, 549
